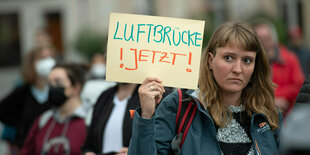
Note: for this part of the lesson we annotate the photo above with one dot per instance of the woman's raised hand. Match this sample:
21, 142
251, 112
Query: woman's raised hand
150, 93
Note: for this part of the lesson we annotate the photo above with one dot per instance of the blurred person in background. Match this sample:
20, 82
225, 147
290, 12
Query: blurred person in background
286, 70
30, 99
297, 46
295, 136
95, 85
111, 125
60, 130
42, 38
304, 93
110, 128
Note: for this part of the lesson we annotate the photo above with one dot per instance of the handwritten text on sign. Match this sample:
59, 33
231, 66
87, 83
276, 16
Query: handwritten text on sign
140, 46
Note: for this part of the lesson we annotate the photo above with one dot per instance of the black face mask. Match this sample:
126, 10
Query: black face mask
56, 96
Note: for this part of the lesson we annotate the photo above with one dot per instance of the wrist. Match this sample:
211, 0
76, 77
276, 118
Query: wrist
146, 115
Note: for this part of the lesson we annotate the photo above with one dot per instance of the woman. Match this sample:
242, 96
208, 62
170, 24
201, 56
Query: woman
60, 130
297, 125
95, 85
111, 125
26, 102
237, 113
110, 129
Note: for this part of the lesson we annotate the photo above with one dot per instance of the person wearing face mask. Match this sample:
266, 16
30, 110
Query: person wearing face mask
95, 85
27, 101
97, 70
60, 130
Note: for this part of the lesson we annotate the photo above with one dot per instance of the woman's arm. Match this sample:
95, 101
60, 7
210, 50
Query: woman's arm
154, 135
11, 105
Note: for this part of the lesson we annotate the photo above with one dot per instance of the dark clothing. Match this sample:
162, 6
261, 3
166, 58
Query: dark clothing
19, 109
101, 114
304, 93
231, 144
304, 58
295, 137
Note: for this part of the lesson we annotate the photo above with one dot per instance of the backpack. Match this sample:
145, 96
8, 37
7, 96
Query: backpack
187, 109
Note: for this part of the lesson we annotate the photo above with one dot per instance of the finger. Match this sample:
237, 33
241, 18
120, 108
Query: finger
123, 150
156, 95
156, 86
150, 79
158, 98
159, 85
153, 94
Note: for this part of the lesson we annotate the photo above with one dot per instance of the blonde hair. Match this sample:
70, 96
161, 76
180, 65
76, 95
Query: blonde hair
258, 95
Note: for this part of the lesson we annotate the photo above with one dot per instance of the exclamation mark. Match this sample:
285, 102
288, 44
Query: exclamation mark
121, 57
189, 61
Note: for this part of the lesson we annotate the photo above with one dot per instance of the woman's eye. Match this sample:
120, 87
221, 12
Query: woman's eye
248, 61
59, 82
228, 58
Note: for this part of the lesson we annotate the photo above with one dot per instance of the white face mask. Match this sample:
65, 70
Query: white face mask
98, 70
44, 66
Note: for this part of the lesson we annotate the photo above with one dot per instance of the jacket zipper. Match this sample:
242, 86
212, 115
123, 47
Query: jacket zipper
198, 102
257, 147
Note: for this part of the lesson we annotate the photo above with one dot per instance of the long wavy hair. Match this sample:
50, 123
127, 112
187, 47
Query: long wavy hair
258, 95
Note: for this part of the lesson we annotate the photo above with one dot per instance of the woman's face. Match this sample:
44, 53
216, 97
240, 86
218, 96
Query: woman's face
232, 68
45, 53
58, 78
44, 62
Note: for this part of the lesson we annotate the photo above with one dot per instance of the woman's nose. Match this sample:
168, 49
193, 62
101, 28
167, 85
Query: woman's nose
237, 67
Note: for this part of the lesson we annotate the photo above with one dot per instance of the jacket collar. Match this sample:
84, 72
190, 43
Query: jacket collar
194, 94
78, 112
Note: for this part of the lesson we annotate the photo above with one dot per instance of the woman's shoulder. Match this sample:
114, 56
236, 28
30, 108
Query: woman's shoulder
106, 94
45, 117
171, 97
22, 88
169, 102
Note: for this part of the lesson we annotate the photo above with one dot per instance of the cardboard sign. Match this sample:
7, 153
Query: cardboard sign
141, 46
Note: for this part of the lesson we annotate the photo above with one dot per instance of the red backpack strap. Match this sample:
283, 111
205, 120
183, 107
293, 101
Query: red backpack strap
185, 115
179, 105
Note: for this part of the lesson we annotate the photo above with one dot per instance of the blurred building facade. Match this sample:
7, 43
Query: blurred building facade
64, 19
20, 19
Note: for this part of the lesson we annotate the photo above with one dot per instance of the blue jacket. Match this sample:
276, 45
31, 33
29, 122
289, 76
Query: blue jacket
153, 136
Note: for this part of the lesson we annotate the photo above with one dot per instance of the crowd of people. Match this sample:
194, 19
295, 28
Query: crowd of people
246, 97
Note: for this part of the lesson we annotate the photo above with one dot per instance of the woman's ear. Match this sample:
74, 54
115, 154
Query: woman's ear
78, 89
210, 61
